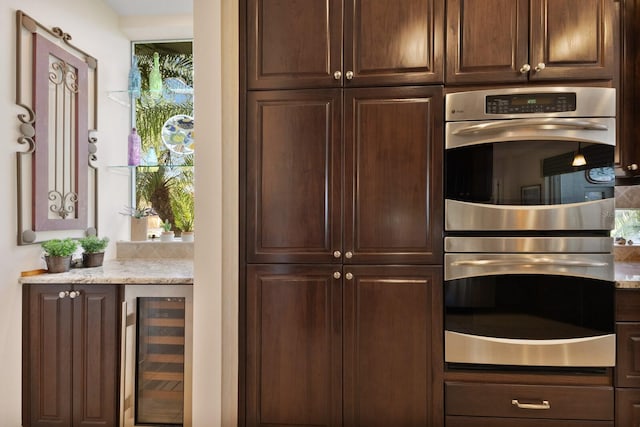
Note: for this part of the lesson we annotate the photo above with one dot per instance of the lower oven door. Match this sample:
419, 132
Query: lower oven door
529, 309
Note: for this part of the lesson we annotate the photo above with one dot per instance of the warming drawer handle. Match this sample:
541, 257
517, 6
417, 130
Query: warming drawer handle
541, 124
526, 261
544, 405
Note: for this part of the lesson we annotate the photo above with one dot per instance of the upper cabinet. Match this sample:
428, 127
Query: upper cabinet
629, 116
331, 43
504, 41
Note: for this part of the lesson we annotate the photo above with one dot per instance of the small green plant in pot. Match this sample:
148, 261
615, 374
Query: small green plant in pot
57, 254
93, 250
167, 235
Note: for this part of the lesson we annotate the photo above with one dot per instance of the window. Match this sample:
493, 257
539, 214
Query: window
163, 117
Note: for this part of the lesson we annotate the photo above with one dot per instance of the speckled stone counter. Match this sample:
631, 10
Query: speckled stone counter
627, 275
124, 272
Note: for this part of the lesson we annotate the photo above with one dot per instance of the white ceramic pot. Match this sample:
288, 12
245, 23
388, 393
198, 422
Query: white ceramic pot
187, 236
166, 236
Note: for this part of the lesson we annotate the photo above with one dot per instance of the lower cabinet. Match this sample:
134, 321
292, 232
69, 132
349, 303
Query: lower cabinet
343, 345
628, 358
71, 355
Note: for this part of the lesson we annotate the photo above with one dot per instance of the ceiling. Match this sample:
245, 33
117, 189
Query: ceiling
151, 7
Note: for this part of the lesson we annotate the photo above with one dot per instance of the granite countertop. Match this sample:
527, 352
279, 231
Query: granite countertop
124, 272
627, 274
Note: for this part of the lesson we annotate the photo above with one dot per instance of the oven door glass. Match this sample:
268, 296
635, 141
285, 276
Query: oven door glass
539, 319
529, 173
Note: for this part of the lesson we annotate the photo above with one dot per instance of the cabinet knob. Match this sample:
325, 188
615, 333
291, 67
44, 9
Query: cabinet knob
525, 68
541, 66
348, 254
349, 75
63, 294
336, 275
349, 276
337, 254
337, 75
632, 167
74, 294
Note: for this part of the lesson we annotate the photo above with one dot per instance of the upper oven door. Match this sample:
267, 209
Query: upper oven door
520, 174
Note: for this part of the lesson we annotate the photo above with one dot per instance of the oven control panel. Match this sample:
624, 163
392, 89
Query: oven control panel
530, 103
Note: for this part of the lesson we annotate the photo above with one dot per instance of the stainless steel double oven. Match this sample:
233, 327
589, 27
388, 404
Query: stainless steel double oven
528, 268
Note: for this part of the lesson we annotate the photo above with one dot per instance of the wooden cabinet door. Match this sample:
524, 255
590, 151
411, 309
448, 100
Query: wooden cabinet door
293, 43
294, 346
71, 355
628, 408
628, 355
47, 352
629, 115
393, 346
294, 170
393, 176
96, 355
573, 39
393, 42
487, 41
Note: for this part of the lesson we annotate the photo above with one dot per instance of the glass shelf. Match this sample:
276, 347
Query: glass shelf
172, 96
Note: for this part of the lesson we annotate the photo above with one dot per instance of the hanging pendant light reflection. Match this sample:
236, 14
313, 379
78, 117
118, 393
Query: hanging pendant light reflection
578, 159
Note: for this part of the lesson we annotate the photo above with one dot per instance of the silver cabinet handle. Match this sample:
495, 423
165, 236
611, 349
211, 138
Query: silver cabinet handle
337, 254
544, 405
541, 66
525, 68
349, 276
348, 255
632, 167
337, 75
63, 294
336, 275
74, 294
349, 75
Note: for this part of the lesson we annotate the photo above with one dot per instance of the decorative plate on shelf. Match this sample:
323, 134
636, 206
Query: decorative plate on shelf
177, 134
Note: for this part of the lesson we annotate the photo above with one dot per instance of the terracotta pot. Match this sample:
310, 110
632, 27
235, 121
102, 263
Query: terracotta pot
93, 260
58, 264
139, 229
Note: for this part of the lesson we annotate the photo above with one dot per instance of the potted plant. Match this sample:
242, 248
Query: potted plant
187, 230
167, 235
139, 222
57, 254
93, 250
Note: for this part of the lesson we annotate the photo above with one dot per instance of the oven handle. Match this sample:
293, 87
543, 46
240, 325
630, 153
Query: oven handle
534, 124
536, 261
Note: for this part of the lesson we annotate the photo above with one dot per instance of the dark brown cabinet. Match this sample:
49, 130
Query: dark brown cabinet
331, 43
628, 358
629, 115
70, 355
368, 194
323, 341
502, 41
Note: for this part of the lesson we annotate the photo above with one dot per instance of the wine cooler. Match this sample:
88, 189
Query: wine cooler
156, 368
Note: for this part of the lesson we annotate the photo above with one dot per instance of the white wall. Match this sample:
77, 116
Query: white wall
94, 28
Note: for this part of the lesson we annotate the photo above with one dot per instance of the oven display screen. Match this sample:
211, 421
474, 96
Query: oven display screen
530, 103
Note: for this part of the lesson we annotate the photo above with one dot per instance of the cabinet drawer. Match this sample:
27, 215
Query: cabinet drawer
521, 422
628, 305
501, 400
